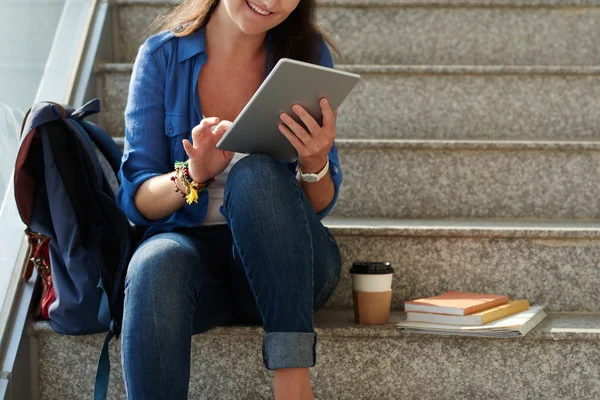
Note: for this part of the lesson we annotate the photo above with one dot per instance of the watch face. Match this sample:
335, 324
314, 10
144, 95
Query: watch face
309, 178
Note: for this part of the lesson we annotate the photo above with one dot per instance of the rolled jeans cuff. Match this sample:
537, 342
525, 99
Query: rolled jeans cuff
289, 350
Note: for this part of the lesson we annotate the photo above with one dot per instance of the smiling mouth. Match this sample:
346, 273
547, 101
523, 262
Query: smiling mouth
257, 10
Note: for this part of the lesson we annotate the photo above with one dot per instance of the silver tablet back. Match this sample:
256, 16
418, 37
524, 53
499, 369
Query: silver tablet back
290, 82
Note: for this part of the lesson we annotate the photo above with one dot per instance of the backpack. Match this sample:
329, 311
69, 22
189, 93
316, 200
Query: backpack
65, 181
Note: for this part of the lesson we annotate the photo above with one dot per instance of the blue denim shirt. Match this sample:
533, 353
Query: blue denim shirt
162, 108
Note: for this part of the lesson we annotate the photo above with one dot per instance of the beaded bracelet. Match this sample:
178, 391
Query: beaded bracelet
192, 188
177, 189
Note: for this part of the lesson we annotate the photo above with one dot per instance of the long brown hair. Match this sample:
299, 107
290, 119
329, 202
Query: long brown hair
295, 38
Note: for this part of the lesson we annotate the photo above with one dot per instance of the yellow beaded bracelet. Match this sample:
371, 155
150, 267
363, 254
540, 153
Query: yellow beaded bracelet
192, 188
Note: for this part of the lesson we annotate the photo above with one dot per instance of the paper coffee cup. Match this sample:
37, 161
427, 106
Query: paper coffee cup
372, 292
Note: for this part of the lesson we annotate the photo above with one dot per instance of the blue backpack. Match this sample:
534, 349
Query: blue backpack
65, 184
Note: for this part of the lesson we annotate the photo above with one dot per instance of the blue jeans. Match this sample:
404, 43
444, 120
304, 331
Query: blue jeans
274, 264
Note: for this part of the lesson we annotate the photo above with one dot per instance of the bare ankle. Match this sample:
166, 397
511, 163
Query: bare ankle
292, 384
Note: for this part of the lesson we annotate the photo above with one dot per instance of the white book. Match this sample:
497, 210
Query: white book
516, 325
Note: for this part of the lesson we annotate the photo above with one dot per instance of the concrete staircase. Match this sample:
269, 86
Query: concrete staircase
471, 154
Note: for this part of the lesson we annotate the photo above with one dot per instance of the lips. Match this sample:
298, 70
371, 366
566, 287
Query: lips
258, 10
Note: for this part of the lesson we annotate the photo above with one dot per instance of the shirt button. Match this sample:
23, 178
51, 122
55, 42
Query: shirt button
170, 129
335, 170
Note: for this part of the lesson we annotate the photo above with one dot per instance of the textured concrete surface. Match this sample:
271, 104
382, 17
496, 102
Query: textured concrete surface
558, 360
431, 32
409, 181
113, 89
437, 102
472, 103
482, 180
549, 264
479, 228
133, 22
392, 33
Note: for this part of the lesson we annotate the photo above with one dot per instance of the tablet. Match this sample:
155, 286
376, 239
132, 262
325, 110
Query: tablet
290, 82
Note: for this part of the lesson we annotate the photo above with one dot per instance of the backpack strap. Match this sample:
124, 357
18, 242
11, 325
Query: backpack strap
104, 310
103, 370
90, 108
105, 144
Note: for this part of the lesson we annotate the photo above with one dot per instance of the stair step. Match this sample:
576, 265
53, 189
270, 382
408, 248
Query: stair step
468, 179
442, 102
436, 179
498, 256
546, 32
558, 360
547, 262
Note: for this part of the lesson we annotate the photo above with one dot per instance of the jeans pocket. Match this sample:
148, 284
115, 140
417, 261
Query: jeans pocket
326, 293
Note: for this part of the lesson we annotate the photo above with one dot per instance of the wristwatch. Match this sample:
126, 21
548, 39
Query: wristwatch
314, 177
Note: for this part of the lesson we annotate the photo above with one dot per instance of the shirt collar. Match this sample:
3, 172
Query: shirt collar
193, 44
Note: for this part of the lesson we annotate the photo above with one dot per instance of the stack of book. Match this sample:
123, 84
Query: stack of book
472, 314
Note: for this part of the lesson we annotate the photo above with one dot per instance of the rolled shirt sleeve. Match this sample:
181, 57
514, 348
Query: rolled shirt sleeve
147, 149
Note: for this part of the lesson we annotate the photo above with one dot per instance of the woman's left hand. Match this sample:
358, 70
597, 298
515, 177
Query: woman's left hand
313, 146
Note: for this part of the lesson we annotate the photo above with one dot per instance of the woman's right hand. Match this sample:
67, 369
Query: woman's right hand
205, 160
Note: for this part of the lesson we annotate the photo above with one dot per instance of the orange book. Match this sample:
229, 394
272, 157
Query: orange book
456, 303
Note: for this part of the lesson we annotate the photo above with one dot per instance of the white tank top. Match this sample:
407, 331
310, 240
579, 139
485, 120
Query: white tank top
216, 191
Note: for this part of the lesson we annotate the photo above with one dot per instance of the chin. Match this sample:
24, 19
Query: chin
252, 29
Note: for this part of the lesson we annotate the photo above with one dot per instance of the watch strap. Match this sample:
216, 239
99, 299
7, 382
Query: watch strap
318, 176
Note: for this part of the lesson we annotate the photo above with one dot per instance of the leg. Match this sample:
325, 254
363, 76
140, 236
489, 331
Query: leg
171, 277
291, 262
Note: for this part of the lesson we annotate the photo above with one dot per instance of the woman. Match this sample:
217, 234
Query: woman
251, 248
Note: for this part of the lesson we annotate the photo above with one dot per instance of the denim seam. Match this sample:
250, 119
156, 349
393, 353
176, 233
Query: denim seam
299, 192
331, 282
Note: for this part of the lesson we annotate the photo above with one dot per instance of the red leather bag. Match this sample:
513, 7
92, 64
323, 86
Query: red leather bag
39, 257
